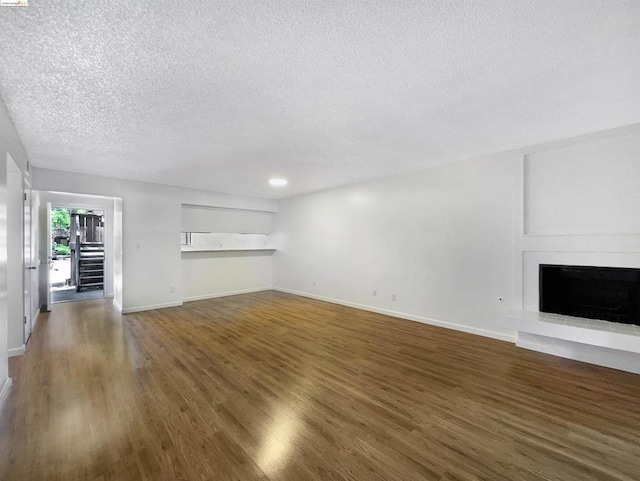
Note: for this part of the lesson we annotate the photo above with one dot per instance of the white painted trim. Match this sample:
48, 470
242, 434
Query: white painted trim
117, 306
225, 294
17, 351
34, 320
411, 317
5, 390
518, 229
109, 294
131, 310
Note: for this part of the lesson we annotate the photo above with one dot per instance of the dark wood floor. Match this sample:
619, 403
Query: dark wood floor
270, 386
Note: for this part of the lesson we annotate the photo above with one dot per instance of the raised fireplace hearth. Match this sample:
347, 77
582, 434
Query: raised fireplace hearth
606, 293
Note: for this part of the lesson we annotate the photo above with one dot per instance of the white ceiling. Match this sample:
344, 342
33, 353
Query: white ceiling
222, 95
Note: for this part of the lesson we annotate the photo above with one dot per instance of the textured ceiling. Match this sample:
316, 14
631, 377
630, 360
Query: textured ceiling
222, 95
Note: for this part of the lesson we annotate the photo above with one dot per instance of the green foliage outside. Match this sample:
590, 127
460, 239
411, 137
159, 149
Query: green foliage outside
60, 218
62, 250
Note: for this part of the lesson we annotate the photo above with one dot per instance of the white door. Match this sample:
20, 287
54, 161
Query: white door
45, 254
35, 259
29, 262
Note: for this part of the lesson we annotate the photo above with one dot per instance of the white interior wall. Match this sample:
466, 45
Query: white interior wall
151, 222
439, 239
4, 310
450, 241
213, 274
585, 189
10, 145
15, 266
199, 218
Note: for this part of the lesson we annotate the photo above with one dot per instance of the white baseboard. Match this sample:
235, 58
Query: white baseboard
601, 356
4, 390
34, 322
17, 351
225, 294
117, 306
411, 317
131, 310
108, 294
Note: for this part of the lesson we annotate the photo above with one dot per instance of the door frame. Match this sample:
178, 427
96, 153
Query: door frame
45, 255
79, 205
28, 259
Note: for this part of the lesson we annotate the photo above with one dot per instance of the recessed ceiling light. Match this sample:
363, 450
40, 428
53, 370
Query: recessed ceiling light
278, 182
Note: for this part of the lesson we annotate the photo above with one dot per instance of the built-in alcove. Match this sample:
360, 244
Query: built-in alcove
224, 242
224, 251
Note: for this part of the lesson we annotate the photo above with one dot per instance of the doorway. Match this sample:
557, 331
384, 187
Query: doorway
77, 268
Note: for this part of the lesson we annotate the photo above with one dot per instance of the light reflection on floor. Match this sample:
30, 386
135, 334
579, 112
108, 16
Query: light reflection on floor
279, 441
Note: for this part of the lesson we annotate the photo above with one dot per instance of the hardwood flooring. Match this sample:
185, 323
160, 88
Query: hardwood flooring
270, 386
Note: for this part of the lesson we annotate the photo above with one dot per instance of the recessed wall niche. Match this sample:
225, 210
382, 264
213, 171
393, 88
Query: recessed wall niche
584, 189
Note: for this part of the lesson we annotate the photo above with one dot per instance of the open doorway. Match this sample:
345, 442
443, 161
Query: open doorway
77, 254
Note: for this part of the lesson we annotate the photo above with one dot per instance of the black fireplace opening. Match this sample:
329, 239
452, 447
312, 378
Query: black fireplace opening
607, 293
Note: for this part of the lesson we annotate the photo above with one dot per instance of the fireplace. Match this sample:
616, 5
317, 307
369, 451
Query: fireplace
607, 293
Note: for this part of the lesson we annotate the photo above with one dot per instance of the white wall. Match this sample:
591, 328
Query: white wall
4, 308
151, 220
450, 241
198, 218
15, 266
585, 189
9, 144
440, 239
214, 274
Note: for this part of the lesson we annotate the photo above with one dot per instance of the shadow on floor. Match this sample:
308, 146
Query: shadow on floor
65, 295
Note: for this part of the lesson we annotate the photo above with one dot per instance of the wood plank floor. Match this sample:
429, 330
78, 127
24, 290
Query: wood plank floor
270, 386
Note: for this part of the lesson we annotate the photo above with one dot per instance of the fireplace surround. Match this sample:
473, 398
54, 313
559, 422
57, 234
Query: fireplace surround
606, 293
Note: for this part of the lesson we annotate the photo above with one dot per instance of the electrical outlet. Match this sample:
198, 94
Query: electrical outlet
393, 297
314, 283
172, 289
375, 293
